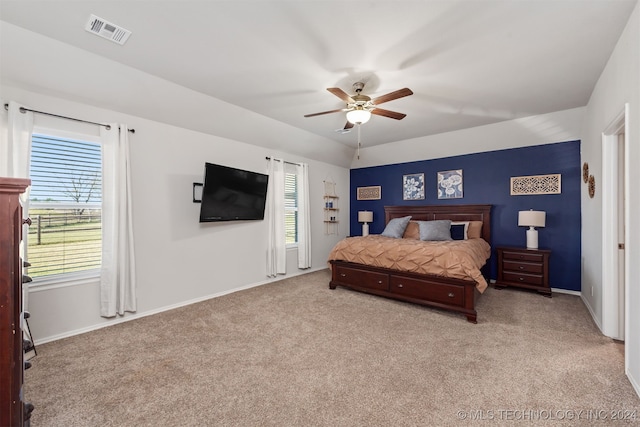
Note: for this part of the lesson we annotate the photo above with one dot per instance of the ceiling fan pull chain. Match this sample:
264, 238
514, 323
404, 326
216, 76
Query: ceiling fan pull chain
358, 141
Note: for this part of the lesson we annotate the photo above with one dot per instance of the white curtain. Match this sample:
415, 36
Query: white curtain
15, 159
117, 278
276, 249
304, 224
15, 152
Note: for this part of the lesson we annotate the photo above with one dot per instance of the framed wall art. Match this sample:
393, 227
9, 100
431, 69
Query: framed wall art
369, 193
413, 186
536, 184
450, 184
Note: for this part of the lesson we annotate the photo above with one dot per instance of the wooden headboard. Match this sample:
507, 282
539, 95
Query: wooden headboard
452, 212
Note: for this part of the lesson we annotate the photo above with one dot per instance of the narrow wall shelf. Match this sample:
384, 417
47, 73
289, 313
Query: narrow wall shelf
331, 214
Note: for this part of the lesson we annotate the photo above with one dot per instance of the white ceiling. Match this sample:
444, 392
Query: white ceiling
469, 63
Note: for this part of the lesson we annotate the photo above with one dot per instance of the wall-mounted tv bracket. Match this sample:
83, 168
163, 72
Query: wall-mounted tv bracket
197, 192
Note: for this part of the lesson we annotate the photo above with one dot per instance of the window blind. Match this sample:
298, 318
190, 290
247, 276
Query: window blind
291, 208
65, 206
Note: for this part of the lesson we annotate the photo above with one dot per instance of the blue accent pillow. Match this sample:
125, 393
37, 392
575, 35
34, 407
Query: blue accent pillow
435, 230
395, 228
457, 231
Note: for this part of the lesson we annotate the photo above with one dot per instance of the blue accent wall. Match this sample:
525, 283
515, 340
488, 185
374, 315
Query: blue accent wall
486, 178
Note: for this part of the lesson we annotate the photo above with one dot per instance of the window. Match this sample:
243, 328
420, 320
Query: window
65, 207
291, 208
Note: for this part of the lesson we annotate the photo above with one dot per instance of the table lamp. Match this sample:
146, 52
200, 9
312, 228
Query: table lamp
365, 217
531, 219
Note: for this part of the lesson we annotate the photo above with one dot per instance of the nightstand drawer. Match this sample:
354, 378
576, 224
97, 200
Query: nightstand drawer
516, 266
522, 256
529, 279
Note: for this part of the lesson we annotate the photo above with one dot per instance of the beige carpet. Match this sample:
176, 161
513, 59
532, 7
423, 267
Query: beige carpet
295, 353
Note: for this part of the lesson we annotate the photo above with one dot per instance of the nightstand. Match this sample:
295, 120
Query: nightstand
524, 268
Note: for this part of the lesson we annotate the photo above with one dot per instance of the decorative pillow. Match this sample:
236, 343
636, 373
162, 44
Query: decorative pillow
412, 231
395, 228
459, 230
435, 230
475, 230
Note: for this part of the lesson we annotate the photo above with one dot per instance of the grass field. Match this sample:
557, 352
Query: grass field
61, 241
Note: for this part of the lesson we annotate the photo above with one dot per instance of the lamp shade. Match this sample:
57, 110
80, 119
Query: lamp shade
365, 216
358, 116
531, 218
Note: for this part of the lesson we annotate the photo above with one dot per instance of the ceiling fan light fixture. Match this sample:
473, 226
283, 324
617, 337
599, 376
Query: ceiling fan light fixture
358, 116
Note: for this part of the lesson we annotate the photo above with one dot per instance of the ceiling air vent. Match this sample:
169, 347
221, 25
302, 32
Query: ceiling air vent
107, 30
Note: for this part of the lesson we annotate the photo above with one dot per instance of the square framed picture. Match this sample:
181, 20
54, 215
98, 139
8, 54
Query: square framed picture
450, 184
413, 186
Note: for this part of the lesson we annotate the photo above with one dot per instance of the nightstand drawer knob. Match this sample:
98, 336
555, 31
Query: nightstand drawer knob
343, 275
521, 279
451, 295
380, 282
400, 285
521, 267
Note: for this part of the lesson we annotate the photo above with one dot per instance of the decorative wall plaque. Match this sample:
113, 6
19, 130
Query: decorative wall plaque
369, 193
585, 172
592, 186
536, 184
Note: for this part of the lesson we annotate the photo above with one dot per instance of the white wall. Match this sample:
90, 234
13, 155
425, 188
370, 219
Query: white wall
549, 128
178, 260
618, 84
50, 67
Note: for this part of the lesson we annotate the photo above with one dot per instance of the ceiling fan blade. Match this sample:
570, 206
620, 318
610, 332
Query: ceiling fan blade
387, 113
340, 94
400, 93
325, 112
348, 125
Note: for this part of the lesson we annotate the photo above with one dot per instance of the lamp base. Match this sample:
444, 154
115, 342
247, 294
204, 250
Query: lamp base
365, 229
532, 238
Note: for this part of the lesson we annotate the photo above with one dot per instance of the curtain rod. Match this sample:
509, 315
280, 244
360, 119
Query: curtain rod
24, 110
277, 160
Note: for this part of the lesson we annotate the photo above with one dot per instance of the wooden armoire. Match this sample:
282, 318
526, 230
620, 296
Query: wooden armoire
13, 410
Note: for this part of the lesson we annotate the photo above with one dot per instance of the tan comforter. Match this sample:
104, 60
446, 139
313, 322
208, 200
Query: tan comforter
461, 259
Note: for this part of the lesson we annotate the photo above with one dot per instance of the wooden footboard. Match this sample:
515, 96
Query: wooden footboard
435, 291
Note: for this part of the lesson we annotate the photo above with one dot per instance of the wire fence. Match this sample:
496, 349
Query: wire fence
64, 240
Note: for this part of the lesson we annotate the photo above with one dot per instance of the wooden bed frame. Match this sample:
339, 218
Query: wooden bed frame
435, 291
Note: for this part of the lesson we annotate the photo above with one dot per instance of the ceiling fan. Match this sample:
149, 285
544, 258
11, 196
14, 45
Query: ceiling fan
360, 107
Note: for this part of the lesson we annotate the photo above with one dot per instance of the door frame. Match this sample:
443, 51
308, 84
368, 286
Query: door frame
611, 310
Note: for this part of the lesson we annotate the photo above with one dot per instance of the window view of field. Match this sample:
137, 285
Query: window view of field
65, 235
64, 241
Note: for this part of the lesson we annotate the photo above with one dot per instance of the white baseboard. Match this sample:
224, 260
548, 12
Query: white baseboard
634, 383
593, 314
566, 291
558, 290
134, 316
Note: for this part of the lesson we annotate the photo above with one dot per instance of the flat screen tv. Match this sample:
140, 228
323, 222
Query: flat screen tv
231, 194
